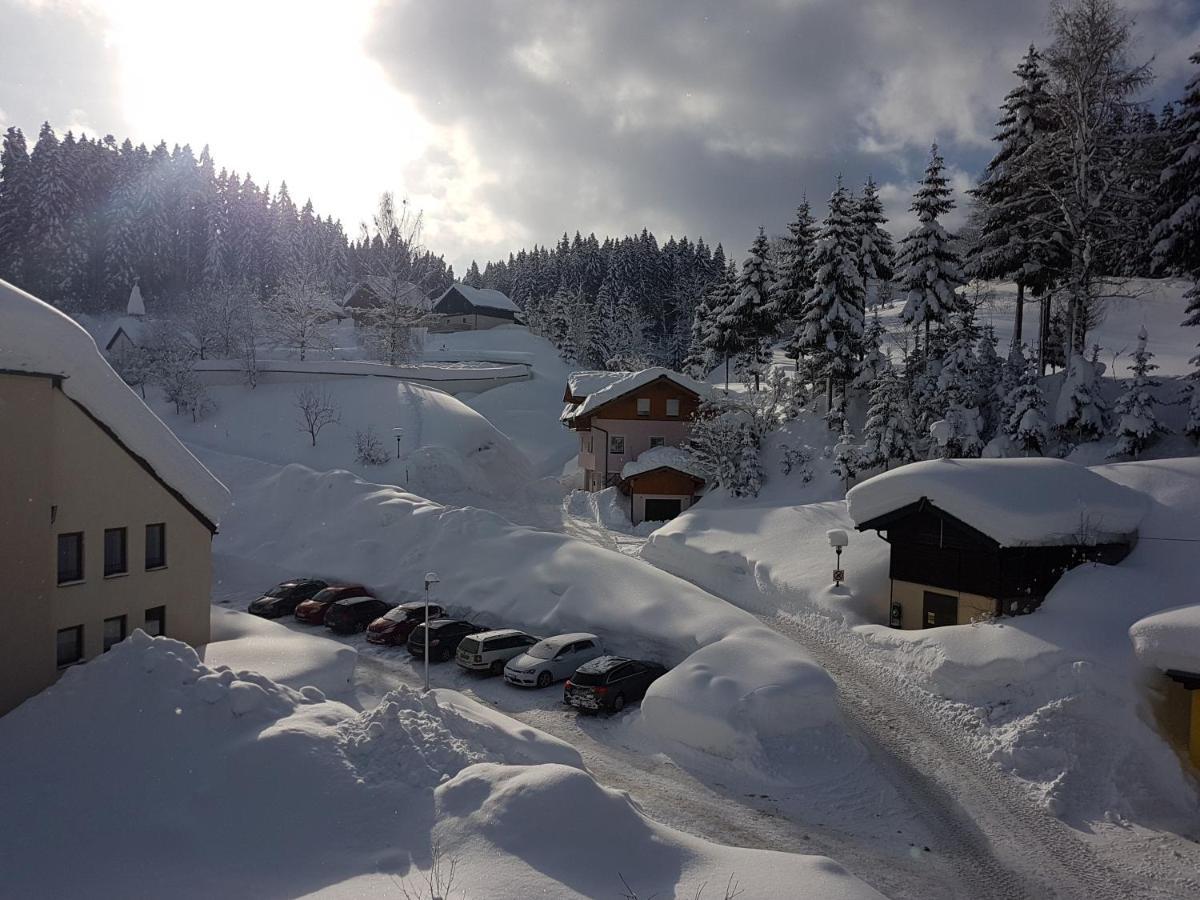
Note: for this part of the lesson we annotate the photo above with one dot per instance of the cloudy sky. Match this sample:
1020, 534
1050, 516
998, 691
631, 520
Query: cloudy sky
509, 123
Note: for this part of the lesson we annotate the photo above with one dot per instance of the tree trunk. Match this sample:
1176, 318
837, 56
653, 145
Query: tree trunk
1043, 331
727, 373
1020, 312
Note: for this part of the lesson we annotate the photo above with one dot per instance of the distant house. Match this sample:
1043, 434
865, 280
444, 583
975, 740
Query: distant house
106, 520
990, 537
464, 308
373, 291
620, 417
1169, 641
129, 331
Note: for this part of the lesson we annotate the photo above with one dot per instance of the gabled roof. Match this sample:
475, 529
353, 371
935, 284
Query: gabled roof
1015, 502
381, 286
587, 382
133, 327
36, 339
631, 382
482, 298
662, 458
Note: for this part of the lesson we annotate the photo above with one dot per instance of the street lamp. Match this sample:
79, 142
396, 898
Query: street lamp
399, 433
837, 540
431, 578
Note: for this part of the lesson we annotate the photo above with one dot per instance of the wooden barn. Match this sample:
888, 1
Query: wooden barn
464, 308
977, 538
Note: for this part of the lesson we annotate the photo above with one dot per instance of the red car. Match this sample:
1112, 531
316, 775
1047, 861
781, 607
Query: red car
312, 612
394, 626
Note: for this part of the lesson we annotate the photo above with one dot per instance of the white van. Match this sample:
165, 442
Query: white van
488, 651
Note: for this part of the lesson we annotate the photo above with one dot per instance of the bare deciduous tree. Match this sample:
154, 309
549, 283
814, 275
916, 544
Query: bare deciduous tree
317, 409
435, 884
296, 313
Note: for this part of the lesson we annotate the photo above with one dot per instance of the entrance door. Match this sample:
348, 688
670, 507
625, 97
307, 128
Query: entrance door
940, 609
659, 510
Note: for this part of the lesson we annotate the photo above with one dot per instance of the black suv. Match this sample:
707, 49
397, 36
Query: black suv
444, 638
283, 599
355, 613
608, 683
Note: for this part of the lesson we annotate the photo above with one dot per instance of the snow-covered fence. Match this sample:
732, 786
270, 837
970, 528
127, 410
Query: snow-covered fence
454, 378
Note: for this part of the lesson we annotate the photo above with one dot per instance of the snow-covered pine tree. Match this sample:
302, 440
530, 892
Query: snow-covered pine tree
833, 320
846, 462
795, 277
699, 358
50, 209
1012, 240
876, 257
1081, 412
751, 315
988, 372
928, 271
887, 435
1026, 425
1177, 233
1136, 408
15, 198
874, 359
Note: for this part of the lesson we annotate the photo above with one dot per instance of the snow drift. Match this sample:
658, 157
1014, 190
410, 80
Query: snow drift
1169, 640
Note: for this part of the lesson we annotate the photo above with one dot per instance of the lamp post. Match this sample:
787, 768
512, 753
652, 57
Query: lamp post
837, 540
431, 578
399, 433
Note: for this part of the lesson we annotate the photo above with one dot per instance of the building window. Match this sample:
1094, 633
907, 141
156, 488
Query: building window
156, 621
70, 646
114, 631
156, 546
70, 557
643, 406
116, 559
673, 407
616, 444
657, 442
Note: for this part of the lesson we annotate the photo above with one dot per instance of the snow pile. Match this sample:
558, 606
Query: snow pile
226, 784
447, 450
35, 337
510, 576
634, 380
242, 641
1169, 640
662, 457
1016, 502
529, 827
424, 740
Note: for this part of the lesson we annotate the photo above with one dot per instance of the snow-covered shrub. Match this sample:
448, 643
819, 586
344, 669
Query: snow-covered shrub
1081, 411
1137, 422
369, 449
796, 459
846, 456
1026, 424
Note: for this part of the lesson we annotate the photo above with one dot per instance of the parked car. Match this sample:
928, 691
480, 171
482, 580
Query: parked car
395, 625
312, 612
355, 613
283, 599
609, 682
444, 637
488, 651
553, 659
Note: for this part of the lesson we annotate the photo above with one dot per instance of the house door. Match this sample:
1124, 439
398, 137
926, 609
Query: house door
940, 609
658, 510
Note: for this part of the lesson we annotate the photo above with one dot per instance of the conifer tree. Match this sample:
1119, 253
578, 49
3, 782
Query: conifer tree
750, 314
887, 435
928, 270
15, 199
1026, 424
1081, 411
1177, 232
1136, 408
846, 462
834, 307
795, 277
876, 262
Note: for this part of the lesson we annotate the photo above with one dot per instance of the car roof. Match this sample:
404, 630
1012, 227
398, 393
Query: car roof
560, 639
354, 601
416, 604
442, 623
602, 664
500, 632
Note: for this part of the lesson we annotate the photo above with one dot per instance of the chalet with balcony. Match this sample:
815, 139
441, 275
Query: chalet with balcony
621, 417
976, 538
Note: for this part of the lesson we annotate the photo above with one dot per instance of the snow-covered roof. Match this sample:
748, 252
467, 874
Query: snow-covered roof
483, 297
133, 326
381, 286
136, 306
36, 338
634, 380
1016, 502
1169, 640
583, 384
659, 458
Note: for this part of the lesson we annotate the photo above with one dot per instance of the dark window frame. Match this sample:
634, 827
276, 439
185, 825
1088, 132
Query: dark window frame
662, 441
649, 406
674, 400
615, 440
78, 657
111, 568
159, 562
162, 620
78, 575
124, 631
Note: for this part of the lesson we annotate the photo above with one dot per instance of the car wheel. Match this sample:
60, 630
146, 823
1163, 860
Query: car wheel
444, 654
496, 668
544, 679
618, 703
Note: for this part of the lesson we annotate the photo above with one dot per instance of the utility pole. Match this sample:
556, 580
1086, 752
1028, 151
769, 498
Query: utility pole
431, 578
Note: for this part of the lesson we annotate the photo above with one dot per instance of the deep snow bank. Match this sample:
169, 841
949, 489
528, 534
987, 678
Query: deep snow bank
547, 583
152, 769
1169, 640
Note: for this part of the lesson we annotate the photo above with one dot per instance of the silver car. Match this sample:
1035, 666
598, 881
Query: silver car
553, 659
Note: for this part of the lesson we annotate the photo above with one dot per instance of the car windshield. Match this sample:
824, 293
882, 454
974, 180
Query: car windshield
280, 590
400, 614
543, 650
328, 595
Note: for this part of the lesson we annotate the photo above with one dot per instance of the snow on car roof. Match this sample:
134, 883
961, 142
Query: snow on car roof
354, 601
499, 632
634, 380
662, 457
602, 664
38, 339
1169, 640
560, 639
1016, 502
